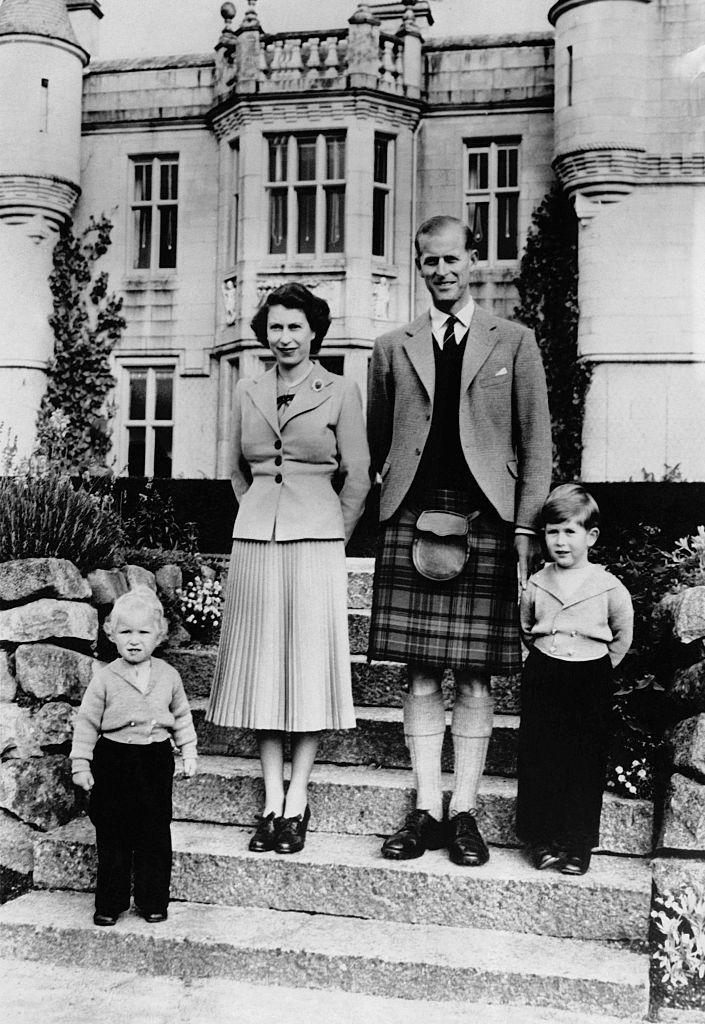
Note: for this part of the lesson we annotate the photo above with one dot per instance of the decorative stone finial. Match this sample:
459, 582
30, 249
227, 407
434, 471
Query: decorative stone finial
363, 16
250, 22
409, 27
227, 13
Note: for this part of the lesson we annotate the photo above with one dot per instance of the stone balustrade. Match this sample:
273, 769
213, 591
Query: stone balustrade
296, 63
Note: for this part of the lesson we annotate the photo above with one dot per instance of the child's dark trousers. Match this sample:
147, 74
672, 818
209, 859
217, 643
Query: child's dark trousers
130, 806
564, 740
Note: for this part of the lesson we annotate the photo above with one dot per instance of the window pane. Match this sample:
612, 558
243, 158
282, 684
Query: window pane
277, 221
478, 171
138, 395
143, 183
380, 172
162, 451
507, 208
478, 213
136, 451
167, 236
163, 407
306, 240
335, 156
335, 219
169, 181
277, 158
513, 170
307, 159
379, 221
142, 233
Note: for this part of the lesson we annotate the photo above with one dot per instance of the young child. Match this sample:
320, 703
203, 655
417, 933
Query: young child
576, 619
128, 714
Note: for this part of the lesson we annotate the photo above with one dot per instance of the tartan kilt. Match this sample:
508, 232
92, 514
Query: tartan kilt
468, 622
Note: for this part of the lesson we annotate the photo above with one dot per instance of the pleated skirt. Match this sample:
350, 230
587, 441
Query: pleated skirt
284, 656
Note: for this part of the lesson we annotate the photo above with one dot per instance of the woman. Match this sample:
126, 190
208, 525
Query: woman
284, 661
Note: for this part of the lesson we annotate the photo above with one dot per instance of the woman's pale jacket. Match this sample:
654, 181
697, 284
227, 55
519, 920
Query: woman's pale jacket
293, 463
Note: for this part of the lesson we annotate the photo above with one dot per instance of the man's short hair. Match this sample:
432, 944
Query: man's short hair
434, 225
571, 501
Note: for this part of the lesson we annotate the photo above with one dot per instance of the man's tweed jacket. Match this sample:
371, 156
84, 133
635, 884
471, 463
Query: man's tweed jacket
504, 422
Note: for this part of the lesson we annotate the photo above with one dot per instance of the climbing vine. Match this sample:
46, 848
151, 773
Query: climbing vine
73, 424
548, 290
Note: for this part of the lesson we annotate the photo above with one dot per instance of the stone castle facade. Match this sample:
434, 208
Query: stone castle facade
310, 153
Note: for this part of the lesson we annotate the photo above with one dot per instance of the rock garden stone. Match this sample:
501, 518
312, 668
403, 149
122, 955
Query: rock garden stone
46, 671
671, 873
16, 842
47, 618
688, 686
684, 815
8, 683
51, 577
18, 737
687, 744
136, 576
53, 724
107, 585
682, 614
169, 579
38, 790
207, 573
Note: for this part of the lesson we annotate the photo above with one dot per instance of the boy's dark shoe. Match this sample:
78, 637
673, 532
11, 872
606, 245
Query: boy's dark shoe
264, 838
104, 920
545, 856
577, 862
420, 832
465, 844
152, 918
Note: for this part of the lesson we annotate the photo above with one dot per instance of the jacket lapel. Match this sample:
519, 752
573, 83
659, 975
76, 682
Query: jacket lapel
596, 583
313, 392
482, 337
263, 393
419, 348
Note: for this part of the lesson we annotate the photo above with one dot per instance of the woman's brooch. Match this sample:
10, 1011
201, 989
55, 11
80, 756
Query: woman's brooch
317, 384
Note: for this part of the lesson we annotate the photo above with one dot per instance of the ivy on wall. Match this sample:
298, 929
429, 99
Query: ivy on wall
74, 420
548, 290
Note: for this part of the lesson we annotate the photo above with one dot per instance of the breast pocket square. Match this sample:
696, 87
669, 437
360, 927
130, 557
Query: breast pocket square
501, 373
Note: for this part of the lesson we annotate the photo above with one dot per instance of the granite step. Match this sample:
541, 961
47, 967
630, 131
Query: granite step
313, 951
378, 740
32, 991
377, 684
346, 876
361, 800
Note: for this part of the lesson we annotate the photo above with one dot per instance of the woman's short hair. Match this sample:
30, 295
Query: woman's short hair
571, 501
294, 296
141, 599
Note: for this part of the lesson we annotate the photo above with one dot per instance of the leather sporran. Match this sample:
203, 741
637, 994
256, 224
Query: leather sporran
439, 550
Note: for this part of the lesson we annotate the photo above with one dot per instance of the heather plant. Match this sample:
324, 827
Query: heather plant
680, 951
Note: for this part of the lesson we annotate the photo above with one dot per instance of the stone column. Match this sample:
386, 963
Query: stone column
363, 48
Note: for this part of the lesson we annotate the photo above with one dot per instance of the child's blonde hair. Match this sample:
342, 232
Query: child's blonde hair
142, 598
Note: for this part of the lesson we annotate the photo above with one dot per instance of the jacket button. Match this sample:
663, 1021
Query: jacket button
417, 451
278, 460
278, 478
277, 444
132, 724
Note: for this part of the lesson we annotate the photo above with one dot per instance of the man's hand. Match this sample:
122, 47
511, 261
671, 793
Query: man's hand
189, 767
84, 780
528, 549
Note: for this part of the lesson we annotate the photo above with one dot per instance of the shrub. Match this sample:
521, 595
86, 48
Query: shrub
43, 515
680, 952
154, 524
201, 607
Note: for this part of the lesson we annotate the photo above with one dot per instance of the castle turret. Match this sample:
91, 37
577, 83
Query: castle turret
41, 65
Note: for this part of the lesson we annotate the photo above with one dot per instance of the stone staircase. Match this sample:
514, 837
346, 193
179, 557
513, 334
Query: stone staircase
338, 917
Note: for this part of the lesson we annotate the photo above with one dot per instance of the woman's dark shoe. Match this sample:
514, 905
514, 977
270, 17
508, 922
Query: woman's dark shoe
545, 856
265, 835
465, 844
420, 832
104, 920
577, 863
291, 836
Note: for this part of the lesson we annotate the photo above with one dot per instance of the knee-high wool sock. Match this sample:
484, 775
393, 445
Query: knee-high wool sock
471, 727
424, 728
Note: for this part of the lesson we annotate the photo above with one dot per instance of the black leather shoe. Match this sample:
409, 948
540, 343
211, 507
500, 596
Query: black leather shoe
420, 832
153, 918
577, 863
104, 920
291, 836
545, 856
265, 835
465, 844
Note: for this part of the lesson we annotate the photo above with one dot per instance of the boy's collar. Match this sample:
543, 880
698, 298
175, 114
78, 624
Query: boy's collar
597, 581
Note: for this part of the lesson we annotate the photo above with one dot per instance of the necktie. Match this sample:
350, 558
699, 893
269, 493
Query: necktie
449, 334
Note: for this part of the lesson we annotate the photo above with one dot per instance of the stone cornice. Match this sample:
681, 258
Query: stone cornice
85, 5
39, 40
34, 193
562, 6
609, 171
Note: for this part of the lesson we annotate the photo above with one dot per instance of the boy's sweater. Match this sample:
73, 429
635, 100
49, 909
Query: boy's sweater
114, 707
596, 619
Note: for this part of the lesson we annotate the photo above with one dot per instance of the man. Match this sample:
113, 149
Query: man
457, 421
